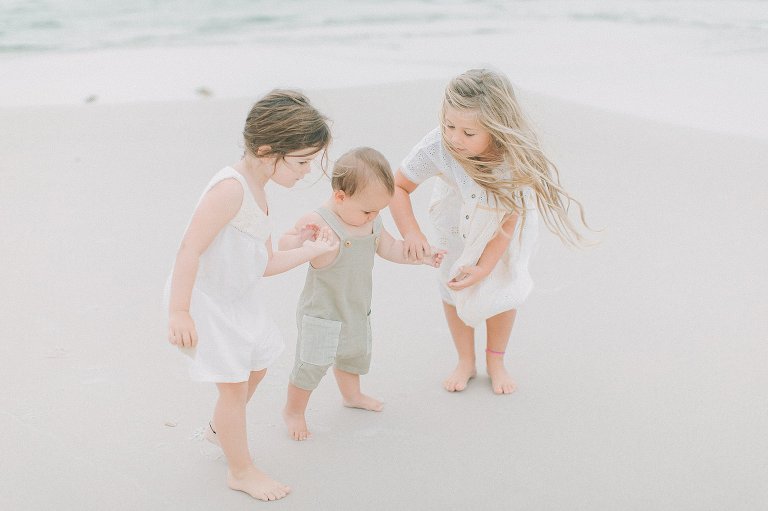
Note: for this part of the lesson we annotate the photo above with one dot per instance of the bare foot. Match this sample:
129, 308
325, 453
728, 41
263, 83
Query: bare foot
501, 381
365, 403
211, 436
459, 378
257, 484
297, 426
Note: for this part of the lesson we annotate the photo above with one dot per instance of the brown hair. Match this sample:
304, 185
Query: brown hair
355, 169
285, 121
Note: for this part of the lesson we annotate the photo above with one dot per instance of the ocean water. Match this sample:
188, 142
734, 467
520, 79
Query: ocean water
70, 25
698, 63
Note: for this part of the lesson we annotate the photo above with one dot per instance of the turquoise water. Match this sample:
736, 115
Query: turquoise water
35, 26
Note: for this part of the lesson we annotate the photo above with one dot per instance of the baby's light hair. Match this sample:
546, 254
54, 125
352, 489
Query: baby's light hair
355, 169
490, 95
285, 121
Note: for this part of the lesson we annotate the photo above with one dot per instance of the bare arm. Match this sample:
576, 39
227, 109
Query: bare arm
217, 207
415, 244
393, 250
284, 260
491, 254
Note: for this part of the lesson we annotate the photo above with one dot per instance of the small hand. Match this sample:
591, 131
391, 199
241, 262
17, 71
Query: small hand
416, 247
468, 276
325, 241
436, 259
309, 232
181, 329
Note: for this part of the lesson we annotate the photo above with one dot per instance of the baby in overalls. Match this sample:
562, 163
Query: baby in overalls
333, 314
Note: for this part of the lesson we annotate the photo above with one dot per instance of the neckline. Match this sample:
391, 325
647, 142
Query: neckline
343, 228
250, 192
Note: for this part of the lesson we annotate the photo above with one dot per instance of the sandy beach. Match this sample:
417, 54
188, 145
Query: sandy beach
640, 363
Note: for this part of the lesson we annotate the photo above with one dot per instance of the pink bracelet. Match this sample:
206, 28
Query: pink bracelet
494, 352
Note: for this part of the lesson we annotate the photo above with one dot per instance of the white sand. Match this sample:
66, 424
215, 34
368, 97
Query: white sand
640, 363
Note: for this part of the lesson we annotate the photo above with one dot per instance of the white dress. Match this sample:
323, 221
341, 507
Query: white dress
236, 334
465, 219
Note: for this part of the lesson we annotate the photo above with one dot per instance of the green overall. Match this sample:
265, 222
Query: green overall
333, 314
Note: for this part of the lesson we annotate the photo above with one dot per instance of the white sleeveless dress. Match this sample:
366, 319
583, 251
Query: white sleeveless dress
236, 334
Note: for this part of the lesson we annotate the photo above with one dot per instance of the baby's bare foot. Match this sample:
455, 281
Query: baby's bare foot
257, 484
297, 426
458, 379
365, 403
501, 381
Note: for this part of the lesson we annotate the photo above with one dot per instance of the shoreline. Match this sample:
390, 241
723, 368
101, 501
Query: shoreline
697, 85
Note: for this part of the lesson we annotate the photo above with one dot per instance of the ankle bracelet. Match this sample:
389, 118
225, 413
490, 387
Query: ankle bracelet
492, 352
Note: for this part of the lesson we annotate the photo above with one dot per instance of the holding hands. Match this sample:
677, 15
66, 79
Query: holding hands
309, 232
435, 258
416, 248
318, 240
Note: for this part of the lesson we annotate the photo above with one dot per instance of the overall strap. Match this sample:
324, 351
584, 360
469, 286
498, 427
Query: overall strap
377, 225
333, 222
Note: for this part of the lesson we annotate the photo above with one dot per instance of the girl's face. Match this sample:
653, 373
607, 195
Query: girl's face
294, 166
464, 133
362, 207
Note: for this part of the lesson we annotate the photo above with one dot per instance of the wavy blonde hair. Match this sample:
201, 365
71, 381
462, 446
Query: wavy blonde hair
489, 94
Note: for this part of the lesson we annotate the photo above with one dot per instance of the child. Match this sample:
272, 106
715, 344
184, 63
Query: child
216, 293
494, 182
333, 314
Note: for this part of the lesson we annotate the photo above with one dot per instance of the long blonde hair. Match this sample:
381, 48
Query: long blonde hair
515, 147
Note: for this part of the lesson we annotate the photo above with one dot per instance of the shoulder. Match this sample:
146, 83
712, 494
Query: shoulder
427, 158
228, 188
312, 217
432, 141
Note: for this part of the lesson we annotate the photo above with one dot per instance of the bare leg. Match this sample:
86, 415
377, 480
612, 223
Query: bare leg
499, 328
464, 340
253, 381
293, 413
349, 386
242, 475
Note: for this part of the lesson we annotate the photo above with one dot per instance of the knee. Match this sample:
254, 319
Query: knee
233, 392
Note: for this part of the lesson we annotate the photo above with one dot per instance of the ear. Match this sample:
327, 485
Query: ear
339, 196
263, 149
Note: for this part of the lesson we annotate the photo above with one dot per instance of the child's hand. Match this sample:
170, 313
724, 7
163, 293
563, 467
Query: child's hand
436, 259
181, 330
416, 247
309, 232
324, 242
468, 276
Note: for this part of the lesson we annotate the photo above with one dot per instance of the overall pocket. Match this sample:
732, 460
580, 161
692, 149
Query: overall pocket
319, 340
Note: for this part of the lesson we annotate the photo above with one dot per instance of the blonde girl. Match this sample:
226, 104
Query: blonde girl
494, 186
216, 304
